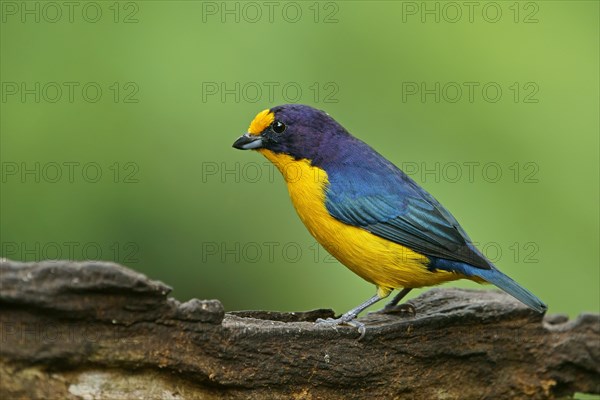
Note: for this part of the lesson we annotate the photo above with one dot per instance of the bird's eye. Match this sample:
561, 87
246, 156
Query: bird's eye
278, 127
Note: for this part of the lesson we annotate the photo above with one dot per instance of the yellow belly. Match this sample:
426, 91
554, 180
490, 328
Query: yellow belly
382, 262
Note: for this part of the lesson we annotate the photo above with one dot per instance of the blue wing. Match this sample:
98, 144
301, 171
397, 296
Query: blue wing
378, 197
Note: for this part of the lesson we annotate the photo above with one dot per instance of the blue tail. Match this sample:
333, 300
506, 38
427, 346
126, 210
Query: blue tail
495, 277
511, 287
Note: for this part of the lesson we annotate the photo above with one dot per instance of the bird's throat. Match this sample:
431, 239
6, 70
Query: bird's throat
297, 172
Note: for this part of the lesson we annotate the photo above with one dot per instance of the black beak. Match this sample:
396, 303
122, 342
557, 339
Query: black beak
247, 142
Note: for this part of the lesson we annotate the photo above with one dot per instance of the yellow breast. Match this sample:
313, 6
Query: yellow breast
382, 262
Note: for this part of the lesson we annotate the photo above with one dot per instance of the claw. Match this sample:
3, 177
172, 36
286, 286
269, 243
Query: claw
349, 317
360, 327
343, 320
327, 322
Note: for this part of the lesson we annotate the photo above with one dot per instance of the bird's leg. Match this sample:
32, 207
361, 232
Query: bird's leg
398, 297
393, 307
348, 317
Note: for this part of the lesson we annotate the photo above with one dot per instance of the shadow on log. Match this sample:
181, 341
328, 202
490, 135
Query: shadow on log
87, 330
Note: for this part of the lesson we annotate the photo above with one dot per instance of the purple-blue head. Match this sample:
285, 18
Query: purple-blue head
297, 130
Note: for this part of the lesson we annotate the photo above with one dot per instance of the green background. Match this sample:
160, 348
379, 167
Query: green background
184, 200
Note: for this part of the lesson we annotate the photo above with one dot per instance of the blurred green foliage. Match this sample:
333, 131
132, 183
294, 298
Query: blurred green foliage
176, 202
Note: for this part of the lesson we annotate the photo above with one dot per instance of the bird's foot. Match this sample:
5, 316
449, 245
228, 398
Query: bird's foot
343, 320
404, 309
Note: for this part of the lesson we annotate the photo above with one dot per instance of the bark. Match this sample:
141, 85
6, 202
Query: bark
85, 330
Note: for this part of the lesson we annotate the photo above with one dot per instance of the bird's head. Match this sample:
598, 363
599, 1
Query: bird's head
296, 130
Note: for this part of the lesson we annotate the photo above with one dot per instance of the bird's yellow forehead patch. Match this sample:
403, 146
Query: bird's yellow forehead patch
261, 121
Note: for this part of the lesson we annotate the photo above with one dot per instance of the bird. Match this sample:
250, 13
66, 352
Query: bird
366, 212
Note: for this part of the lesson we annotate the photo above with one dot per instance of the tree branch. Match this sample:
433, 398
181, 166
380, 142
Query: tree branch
99, 330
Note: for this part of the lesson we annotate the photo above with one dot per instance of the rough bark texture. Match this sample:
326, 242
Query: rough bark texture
98, 330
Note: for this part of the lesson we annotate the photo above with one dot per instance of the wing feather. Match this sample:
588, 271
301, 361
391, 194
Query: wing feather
394, 207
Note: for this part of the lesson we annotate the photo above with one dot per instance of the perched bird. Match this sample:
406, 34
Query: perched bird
366, 212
